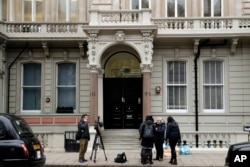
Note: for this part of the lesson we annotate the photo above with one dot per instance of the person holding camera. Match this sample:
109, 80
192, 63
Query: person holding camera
159, 138
83, 127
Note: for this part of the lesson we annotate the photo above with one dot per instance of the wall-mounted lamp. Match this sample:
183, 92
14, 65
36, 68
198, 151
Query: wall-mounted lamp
157, 89
47, 100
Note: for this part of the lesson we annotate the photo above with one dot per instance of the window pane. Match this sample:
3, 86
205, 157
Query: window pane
135, 4
170, 97
181, 8
170, 73
39, 10
219, 72
171, 8
66, 97
31, 98
32, 86
32, 74
177, 95
66, 85
73, 10
217, 7
207, 8
61, 10
145, 4
213, 88
27, 10
219, 97
66, 74
182, 73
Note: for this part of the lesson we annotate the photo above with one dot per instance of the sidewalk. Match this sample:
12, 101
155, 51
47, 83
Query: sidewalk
197, 158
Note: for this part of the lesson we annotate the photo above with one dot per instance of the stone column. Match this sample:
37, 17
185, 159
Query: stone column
93, 94
146, 95
93, 66
146, 68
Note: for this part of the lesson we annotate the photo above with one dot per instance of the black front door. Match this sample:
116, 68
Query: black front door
122, 103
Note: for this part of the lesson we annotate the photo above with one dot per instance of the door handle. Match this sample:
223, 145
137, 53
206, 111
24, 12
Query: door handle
123, 100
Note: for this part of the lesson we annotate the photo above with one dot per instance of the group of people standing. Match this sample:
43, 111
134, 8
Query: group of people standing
151, 133
161, 132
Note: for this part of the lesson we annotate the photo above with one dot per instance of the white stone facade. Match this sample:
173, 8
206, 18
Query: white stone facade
103, 27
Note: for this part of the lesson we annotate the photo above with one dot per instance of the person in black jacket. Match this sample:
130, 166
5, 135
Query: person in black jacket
147, 143
174, 136
85, 137
159, 132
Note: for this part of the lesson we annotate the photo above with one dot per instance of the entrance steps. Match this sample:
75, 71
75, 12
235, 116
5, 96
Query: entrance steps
121, 139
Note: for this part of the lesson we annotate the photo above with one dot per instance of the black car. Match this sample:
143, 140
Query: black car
238, 155
18, 144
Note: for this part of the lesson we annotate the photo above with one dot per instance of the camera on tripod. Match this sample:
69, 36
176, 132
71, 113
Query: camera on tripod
98, 126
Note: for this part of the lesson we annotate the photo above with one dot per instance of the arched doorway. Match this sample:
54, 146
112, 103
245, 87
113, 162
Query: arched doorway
122, 85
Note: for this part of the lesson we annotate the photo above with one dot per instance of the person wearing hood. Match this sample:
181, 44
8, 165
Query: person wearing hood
147, 142
173, 136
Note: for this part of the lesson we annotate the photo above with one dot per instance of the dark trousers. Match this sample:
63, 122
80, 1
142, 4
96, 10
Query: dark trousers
159, 150
173, 143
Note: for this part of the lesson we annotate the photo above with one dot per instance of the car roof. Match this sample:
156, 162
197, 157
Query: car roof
243, 146
10, 116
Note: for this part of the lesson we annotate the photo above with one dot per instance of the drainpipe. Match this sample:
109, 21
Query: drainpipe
203, 44
9, 67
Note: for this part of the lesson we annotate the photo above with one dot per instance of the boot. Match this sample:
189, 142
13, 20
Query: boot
174, 162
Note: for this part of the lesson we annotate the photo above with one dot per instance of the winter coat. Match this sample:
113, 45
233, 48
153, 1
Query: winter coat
84, 128
173, 131
146, 142
159, 132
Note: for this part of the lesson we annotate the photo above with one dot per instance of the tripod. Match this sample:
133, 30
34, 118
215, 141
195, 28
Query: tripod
97, 143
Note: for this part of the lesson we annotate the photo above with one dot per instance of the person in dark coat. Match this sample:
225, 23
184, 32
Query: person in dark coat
159, 132
85, 137
146, 143
173, 136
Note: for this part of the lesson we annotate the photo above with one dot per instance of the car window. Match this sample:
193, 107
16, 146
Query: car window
2, 131
22, 126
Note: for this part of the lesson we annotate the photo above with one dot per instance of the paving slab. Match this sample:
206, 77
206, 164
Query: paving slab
196, 158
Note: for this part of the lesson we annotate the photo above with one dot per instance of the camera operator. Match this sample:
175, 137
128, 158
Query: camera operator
85, 137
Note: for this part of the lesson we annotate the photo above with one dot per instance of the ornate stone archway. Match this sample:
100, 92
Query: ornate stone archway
141, 42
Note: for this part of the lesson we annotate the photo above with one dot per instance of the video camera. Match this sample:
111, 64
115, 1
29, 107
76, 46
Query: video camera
98, 125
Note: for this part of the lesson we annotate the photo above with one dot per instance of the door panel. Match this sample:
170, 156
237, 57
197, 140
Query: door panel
122, 102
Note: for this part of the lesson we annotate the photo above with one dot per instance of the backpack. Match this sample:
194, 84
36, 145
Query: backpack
121, 158
148, 131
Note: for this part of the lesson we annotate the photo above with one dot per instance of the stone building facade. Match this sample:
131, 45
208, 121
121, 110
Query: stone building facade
124, 59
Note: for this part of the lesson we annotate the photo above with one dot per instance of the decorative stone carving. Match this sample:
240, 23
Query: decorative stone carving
148, 45
213, 52
233, 45
196, 44
120, 36
45, 48
94, 68
92, 40
146, 67
81, 48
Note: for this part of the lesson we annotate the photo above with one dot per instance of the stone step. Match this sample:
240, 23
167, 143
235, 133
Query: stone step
121, 139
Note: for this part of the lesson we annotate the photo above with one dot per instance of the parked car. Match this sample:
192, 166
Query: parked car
238, 155
18, 144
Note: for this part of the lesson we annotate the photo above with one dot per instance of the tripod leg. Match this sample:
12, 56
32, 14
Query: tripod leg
93, 148
95, 153
102, 145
